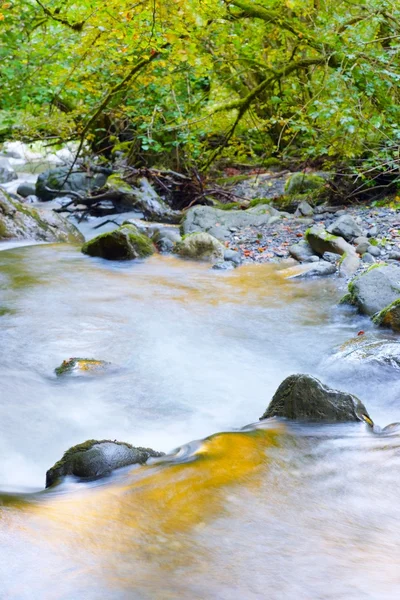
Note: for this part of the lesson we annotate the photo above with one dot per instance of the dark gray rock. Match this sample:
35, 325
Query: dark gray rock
304, 209
345, 227
321, 241
78, 181
394, 255
372, 232
232, 256
375, 289
154, 208
94, 459
26, 189
7, 173
305, 398
331, 257
23, 222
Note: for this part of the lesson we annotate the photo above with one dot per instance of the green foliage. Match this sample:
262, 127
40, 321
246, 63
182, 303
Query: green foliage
182, 82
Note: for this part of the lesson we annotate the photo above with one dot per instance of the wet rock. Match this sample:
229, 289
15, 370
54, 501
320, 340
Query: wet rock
26, 189
232, 256
20, 221
124, 243
389, 316
345, 227
7, 173
369, 350
81, 366
313, 269
94, 459
298, 183
302, 251
201, 246
305, 398
219, 222
375, 289
165, 238
78, 181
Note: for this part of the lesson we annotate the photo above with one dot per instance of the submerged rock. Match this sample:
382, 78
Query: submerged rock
305, 398
375, 289
94, 459
124, 243
201, 246
369, 350
81, 366
20, 221
219, 223
78, 181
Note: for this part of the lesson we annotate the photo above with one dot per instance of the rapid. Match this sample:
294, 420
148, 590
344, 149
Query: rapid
237, 509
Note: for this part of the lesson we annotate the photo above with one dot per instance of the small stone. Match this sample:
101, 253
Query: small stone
331, 257
372, 232
363, 247
367, 258
374, 251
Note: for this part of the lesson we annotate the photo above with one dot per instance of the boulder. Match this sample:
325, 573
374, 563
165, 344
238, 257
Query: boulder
375, 289
20, 221
369, 350
124, 243
305, 398
201, 246
152, 205
26, 189
321, 241
299, 183
78, 181
7, 173
389, 316
302, 251
345, 227
220, 223
94, 459
81, 366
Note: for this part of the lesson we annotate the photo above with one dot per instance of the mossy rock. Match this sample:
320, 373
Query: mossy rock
389, 316
21, 221
305, 398
124, 243
299, 183
200, 246
81, 366
94, 459
78, 181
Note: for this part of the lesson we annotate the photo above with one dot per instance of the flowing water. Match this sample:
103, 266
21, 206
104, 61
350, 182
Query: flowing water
238, 509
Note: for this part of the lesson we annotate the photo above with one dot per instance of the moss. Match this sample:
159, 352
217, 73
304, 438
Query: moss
346, 299
258, 201
83, 447
389, 316
125, 243
115, 182
82, 364
227, 206
3, 230
232, 180
303, 182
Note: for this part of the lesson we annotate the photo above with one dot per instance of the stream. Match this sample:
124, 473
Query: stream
238, 509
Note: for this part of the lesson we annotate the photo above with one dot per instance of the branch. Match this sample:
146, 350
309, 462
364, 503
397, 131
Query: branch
55, 17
